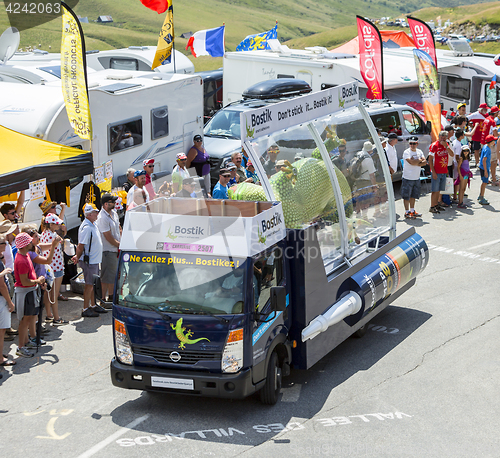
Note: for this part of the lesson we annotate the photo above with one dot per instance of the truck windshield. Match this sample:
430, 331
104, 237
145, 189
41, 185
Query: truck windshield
181, 283
225, 124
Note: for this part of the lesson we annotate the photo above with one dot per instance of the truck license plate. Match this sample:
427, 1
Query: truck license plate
175, 383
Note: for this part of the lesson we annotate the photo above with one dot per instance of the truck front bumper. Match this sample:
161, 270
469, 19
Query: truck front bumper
234, 386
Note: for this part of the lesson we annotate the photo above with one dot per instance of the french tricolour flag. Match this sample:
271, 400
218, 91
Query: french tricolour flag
207, 42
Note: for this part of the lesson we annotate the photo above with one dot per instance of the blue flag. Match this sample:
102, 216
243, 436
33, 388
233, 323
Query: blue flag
258, 41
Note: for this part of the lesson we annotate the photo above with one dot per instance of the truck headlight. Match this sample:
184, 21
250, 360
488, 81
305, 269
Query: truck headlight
232, 356
122, 344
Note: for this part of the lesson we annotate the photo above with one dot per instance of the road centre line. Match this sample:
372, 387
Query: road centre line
96, 448
484, 244
465, 254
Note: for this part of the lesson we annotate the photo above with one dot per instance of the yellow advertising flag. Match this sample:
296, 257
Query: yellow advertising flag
165, 40
74, 84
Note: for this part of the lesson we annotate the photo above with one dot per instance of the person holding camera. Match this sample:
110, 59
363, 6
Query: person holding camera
54, 228
89, 256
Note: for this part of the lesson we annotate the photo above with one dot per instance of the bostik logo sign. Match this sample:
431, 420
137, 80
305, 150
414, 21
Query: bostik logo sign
370, 58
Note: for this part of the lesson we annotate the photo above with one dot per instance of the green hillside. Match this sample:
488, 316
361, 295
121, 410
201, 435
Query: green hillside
310, 22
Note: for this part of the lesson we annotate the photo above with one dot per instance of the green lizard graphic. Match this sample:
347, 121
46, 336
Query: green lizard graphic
341, 102
262, 239
184, 338
170, 235
249, 132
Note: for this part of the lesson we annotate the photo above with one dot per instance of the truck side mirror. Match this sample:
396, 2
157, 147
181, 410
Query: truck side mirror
278, 298
428, 127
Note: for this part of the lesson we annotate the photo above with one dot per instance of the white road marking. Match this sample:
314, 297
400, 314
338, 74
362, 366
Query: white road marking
291, 394
484, 244
465, 254
96, 448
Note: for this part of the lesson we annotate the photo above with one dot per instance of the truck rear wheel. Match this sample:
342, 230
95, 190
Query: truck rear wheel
269, 394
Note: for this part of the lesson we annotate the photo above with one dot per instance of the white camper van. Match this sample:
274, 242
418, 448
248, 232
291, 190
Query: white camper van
162, 113
133, 58
464, 77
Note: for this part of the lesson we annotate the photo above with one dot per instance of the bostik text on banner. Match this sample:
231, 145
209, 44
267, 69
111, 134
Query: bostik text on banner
73, 78
370, 58
423, 37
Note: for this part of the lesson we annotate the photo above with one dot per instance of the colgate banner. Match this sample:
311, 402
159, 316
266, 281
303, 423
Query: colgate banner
423, 37
370, 58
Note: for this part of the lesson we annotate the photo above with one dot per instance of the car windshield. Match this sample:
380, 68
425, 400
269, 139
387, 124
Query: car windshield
182, 283
224, 124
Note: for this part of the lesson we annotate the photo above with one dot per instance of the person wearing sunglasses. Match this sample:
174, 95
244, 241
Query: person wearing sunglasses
198, 158
180, 172
149, 166
220, 189
413, 160
11, 212
187, 190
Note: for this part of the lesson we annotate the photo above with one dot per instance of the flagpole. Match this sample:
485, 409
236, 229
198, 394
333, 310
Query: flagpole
173, 37
84, 52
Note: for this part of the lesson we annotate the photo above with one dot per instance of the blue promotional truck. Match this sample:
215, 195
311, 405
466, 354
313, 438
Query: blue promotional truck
222, 297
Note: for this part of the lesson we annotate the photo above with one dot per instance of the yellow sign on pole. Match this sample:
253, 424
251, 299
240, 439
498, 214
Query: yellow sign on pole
74, 85
165, 40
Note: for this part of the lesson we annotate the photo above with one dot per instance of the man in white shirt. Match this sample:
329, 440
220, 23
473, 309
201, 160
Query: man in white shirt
108, 224
138, 194
392, 155
413, 160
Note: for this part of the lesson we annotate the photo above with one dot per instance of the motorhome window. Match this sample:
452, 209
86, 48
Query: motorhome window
267, 272
281, 75
456, 88
125, 135
225, 124
124, 64
387, 122
413, 123
159, 122
53, 70
327, 86
182, 283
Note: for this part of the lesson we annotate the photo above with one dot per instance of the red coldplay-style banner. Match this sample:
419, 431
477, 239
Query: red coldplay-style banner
370, 58
160, 6
423, 37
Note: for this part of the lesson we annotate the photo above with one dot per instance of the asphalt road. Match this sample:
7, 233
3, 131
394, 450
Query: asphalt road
422, 382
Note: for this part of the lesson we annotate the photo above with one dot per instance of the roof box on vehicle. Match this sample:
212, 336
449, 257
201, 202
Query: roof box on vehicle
277, 88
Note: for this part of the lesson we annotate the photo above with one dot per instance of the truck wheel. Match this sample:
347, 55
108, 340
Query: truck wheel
361, 331
269, 394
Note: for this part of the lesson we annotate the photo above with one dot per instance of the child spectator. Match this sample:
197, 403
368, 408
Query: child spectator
250, 172
6, 305
464, 175
54, 226
484, 166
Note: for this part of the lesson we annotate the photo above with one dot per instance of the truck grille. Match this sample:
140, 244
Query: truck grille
214, 163
187, 357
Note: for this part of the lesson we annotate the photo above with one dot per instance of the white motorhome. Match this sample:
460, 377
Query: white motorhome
464, 77
161, 112
133, 58
137, 58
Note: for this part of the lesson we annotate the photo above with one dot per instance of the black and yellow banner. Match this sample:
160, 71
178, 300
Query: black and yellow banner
73, 75
165, 40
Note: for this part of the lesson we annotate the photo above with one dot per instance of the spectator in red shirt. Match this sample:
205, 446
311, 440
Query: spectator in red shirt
26, 295
490, 128
478, 118
438, 162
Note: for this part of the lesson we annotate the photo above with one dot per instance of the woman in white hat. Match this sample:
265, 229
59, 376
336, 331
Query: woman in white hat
53, 225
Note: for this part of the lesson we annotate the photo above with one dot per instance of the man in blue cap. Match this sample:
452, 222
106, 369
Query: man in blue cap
138, 194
